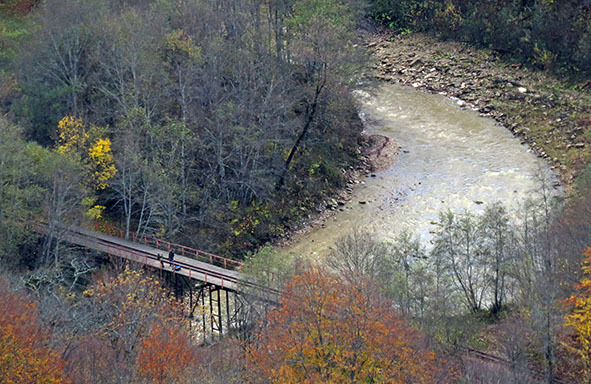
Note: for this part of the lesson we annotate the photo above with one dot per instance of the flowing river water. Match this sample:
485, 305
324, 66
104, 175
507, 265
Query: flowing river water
450, 158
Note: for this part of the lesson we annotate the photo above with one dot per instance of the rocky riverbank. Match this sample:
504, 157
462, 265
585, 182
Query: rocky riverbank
377, 153
553, 117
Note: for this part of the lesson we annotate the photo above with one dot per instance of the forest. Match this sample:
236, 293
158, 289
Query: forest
549, 34
222, 125
220, 128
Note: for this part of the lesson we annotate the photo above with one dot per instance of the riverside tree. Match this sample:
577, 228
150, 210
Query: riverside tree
330, 330
458, 247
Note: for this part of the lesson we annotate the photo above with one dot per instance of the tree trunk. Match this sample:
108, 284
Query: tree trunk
310, 114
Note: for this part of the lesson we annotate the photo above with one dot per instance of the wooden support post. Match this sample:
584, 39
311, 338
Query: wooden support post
210, 310
190, 303
227, 310
203, 313
236, 324
176, 289
219, 314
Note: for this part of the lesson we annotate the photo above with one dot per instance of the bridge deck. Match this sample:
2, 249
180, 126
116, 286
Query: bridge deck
144, 254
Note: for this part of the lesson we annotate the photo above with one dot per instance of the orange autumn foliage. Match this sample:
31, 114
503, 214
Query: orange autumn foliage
128, 309
579, 318
25, 357
166, 356
329, 331
130, 303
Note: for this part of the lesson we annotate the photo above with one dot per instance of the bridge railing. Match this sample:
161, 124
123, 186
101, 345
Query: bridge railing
167, 246
130, 254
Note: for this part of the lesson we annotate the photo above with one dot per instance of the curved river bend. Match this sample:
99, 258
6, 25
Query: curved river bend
449, 158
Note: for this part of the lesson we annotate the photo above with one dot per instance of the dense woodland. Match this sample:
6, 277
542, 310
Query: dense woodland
219, 124
549, 34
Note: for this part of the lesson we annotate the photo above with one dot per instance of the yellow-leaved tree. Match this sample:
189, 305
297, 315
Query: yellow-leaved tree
72, 135
101, 160
579, 319
92, 148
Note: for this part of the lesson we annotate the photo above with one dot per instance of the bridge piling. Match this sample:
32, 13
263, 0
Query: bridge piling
203, 314
220, 313
227, 310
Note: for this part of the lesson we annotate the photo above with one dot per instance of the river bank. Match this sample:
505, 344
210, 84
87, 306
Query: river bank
377, 153
551, 118
550, 115
450, 159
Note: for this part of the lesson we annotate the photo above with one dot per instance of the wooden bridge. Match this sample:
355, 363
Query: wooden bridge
215, 284
152, 252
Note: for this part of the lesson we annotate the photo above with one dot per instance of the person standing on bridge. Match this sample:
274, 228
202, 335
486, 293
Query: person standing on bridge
171, 258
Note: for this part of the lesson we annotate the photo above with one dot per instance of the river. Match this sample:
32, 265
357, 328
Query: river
450, 158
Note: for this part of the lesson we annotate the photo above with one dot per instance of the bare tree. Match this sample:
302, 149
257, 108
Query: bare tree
130, 73
63, 182
321, 43
458, 247
359, 255
495, 236
539, 278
